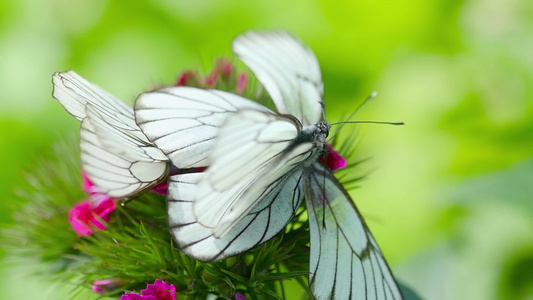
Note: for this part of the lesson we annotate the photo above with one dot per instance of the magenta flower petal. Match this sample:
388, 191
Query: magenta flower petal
241, 83
160, 289
133, 296
212, 78
239, 296
333, 160
161, 189
85, 216
94, 192
78, 217
98, 289
185, 78
222, 70
225, 67
106, 285
87, 185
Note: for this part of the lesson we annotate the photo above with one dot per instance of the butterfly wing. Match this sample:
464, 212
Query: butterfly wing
288, 70
118, 163
116, 155
75, 92
250, 191
183, 121
259, 225
345, 262
253, 153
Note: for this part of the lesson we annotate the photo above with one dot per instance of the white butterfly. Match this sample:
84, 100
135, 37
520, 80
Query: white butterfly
115, 154
261, 165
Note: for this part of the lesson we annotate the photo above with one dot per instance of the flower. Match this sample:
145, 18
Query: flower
239, 296
333, 159
160, 290
106, 285
85, 216
87, 185
161, 189
225, 67
96, 196
222, 70
92, 213
223, 76
186, 78
241, 83
133, 296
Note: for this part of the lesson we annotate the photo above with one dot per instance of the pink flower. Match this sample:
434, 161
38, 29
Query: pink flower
160, 290
106, 285
222, 69
212, 79
186, 78
133, 296
161, 189
333, 160
239, 296
96, 196
225, 67
86, 216
87, 185
241, 83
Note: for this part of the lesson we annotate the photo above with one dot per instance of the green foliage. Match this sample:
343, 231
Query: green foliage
39, 233
138, 248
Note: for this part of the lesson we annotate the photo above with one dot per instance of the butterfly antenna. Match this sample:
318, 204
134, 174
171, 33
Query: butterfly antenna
368, 99
368, 122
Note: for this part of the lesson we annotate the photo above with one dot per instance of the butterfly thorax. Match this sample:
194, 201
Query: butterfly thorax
316, 134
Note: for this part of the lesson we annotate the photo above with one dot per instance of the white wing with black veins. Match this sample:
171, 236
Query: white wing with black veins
184, 121
287, 69
345, 262
116, 155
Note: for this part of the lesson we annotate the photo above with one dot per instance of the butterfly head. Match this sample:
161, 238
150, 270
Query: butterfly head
321, 131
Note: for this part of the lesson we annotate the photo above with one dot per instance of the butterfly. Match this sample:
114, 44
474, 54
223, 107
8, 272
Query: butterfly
261, 166
115, 154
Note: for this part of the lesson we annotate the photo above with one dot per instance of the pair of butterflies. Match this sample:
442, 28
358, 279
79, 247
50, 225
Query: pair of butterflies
260, 164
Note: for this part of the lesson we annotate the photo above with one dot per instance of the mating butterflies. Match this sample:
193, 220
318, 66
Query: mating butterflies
261, 165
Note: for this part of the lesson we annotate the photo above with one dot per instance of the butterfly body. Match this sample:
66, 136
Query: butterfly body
316, 133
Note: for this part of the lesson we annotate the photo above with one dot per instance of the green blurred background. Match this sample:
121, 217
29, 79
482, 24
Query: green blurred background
450, 195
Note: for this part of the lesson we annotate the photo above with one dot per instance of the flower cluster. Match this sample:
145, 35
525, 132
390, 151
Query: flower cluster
160, 290
223, 76
91, 214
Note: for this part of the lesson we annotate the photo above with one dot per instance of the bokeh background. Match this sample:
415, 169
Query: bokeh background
449, 196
